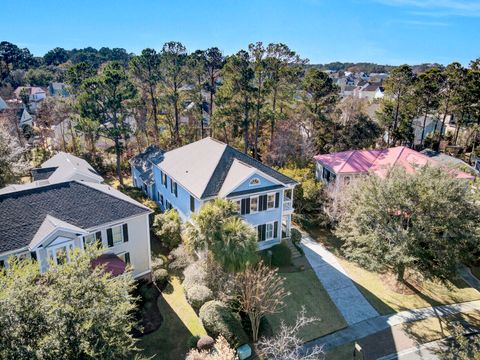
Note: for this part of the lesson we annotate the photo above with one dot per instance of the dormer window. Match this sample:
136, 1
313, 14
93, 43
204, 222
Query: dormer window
254, 182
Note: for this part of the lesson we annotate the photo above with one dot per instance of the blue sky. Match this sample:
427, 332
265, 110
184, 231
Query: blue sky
381, 31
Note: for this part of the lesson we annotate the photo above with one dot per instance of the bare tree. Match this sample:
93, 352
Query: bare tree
287, 345
260, 292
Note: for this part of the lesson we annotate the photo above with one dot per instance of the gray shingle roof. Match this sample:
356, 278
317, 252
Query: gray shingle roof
143, 162
79, 204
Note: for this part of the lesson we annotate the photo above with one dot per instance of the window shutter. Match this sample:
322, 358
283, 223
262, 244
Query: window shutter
260, 203
176, 189
109, 237
2, 264
125, 232
265, 206
127, 258
264, 232
247, 206
243, 205
171, 185
98, 237
275, 229
192, 203
33, 255
277, 199
259, 231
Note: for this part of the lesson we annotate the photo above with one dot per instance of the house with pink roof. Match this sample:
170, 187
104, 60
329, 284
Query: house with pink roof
340, 168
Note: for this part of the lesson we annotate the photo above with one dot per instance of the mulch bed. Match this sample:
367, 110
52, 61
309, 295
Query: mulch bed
148, 313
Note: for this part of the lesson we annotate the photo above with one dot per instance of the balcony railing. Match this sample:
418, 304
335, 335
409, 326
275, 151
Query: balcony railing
287, 205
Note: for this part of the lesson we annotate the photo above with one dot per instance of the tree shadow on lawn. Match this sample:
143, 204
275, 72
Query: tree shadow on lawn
169, 342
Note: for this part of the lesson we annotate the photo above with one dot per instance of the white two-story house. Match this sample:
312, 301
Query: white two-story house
66, 208
189, 176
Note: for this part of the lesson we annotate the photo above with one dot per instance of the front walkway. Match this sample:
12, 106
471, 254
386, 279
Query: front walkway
343, 292
379, 323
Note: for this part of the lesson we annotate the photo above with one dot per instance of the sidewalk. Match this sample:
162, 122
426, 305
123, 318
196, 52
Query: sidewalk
345, 295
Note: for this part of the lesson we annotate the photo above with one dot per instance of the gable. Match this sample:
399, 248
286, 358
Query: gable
254, 183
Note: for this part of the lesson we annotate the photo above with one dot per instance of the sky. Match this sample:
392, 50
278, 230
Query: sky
381, 31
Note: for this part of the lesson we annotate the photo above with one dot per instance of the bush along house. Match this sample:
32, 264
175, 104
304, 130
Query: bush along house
46, 220
187, 177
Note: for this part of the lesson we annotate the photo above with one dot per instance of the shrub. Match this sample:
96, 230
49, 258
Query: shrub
194, 274
180, 258
160, 277
296, 237
167, 227
218, 319
197, 295
192, 341
281, 255
158, 263
205, 343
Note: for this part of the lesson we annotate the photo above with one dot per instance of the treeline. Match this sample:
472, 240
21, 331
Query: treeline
439, 92
265, 100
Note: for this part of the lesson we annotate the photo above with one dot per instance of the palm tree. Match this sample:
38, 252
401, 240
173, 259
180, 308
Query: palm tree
237, 247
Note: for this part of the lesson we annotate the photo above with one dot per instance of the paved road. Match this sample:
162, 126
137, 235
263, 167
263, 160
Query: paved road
343, 292
379, 323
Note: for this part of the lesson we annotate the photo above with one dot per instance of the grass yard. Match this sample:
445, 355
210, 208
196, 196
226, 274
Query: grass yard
180, 322
307, 291
387, 301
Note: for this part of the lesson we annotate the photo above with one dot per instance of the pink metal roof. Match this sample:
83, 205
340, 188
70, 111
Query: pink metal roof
378, 161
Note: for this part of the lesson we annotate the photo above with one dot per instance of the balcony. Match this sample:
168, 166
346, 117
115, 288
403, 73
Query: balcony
287, 205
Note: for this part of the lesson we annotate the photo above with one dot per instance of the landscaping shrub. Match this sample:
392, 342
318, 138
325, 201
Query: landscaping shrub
205, 343
160, 277
179, 258
197, 295
281, 255
218, 319
192, 341
167, 227
158, 263
296, 237
194, 274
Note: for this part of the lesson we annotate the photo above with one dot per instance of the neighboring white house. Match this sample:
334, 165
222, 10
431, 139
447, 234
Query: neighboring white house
67, 207
35, 94
370, 92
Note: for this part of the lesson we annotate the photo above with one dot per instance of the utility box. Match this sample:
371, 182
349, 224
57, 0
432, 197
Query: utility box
244, 352
358, 352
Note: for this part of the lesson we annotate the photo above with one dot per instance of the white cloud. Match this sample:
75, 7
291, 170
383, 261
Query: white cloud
438, 7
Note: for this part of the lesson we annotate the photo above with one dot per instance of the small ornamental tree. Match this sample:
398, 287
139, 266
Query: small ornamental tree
168, 228
426, 222
73, 311
221, 351
260, 292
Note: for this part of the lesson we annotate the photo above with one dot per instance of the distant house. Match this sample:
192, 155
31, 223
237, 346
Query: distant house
35, 93
188, 177
348, 90
25, 119
142, 170
339, 169
58, 89
370, 92
3, 104
66, 208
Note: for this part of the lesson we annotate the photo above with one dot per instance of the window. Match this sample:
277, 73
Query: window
117, 235
160, 198
192, 203
254, 182
2, 264
168, 206
164, 179
269, 231
346, 180
91, 239
270, 201
288, 194
238, 205
254, 204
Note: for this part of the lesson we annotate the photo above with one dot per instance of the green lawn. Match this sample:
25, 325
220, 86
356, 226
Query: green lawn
387, 301
180, 322
308, 292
